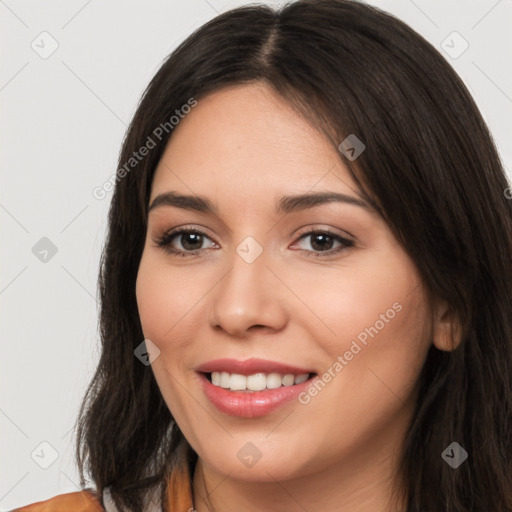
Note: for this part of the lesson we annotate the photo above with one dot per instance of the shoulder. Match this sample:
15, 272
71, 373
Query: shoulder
83, 501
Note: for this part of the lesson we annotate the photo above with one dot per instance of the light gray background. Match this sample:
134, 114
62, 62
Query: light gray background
63, 119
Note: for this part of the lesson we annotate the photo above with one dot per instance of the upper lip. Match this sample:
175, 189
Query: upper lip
250, 367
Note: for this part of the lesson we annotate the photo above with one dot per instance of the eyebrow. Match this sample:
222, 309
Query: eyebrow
286, 204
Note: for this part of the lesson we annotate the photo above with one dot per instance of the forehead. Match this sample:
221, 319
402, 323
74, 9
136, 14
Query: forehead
245, 141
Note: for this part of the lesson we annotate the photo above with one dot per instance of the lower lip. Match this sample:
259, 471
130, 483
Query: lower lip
250, 404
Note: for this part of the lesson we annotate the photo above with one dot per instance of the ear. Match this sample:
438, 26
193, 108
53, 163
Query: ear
446, 329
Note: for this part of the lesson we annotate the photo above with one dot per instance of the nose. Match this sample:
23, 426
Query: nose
250, 297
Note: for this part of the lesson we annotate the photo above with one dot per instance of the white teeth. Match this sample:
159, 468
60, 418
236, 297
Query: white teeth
224, 379
257, 381
299, 379
237, 382
288, 379
274, 380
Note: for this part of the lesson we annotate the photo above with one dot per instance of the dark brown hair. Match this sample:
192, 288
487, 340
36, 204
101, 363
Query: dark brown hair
430, 168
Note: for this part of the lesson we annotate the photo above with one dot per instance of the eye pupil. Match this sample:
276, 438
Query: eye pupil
323, 244
198, 241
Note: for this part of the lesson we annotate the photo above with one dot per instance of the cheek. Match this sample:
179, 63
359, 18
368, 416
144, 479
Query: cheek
375, 316
150, 292
164, 301
163, 316
392, 341
381, 356
358, 303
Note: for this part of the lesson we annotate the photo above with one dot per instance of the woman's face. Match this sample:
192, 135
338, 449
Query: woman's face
345, 303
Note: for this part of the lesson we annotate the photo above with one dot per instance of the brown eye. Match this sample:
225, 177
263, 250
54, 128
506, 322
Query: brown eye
322, 243
191, 241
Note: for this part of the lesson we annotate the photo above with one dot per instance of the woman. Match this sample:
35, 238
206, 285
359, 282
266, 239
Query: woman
306, 285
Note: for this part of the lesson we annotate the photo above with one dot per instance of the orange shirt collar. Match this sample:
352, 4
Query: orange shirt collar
179, 486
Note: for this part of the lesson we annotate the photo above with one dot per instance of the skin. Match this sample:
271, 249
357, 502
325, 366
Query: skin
243, 147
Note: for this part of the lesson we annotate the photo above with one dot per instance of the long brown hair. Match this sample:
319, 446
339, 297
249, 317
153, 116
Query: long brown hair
432, 170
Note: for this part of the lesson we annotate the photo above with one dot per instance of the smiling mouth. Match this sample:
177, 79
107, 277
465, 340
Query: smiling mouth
257, 381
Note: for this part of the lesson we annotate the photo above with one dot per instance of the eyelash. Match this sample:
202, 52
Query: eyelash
165, 240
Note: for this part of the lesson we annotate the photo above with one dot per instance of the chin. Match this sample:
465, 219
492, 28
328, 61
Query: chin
256, 462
